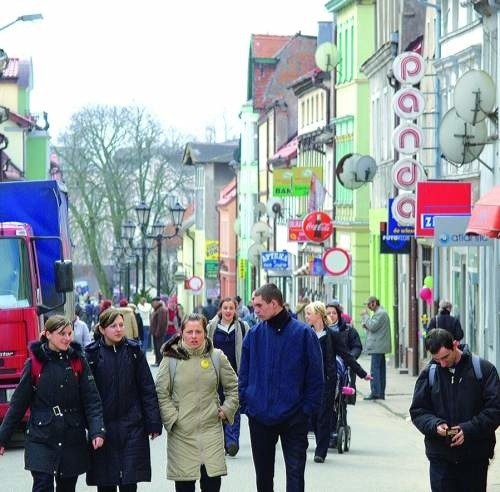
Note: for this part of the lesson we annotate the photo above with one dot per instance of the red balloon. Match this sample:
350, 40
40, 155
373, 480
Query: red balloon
426, 294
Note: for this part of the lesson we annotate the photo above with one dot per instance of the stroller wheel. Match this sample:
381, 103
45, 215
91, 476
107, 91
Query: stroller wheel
341, 440
347, 443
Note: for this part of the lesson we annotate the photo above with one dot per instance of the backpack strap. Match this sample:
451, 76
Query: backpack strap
36, 370
172, 366
432, 374
476, 365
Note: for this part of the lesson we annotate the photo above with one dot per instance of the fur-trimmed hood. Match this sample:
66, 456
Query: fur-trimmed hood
42, 352
172, 348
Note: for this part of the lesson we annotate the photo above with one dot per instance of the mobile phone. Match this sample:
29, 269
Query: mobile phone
450, 433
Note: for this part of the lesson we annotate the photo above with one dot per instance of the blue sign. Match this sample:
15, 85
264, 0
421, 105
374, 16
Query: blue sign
275, 260
394, 238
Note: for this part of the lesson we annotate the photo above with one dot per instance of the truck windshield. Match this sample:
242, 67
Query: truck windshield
15, 290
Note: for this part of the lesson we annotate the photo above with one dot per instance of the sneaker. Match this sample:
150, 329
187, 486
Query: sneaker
232, 449
319, 459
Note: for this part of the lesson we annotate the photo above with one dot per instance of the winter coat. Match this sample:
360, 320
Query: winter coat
159, 321
448, 322
378, 332
351, 337
131, 413
129, 322
62, 405
189, 409
458, 399
240, 333
281, 370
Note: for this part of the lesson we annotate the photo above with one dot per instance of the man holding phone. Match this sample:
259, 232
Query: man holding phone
456, 405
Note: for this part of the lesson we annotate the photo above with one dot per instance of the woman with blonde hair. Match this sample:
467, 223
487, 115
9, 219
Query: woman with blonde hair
332, 344
187, 386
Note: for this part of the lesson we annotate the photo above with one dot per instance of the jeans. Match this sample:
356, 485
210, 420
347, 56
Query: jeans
232, 431
293, 435
377, 384
146, 338
207, 484
131, 487
44, 482
462, 477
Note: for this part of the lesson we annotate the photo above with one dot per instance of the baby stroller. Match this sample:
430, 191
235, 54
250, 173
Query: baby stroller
340, 436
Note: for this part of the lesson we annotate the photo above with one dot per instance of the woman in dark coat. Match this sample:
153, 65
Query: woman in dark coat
332, 344
63, 401
130, 406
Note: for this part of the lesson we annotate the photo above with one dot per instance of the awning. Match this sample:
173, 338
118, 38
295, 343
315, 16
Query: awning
485, 216
286, 152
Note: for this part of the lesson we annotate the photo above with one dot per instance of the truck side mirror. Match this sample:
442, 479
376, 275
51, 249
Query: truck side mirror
64, 276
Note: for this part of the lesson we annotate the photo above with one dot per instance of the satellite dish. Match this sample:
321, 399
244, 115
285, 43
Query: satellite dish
326, 56
260, 208
460, 141
260, 232
274, 207
474, 96
254, 252
355, 170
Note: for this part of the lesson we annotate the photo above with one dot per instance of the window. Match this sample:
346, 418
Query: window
15, 284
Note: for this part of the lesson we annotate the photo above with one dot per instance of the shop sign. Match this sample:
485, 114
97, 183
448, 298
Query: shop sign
275, 260
211, 269
211, 250
450, 231
440, 198
317, 226
295, 232
242, 268
295, 181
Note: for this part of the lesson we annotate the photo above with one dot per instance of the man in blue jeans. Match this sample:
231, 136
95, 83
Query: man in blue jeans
378, 343
280, 385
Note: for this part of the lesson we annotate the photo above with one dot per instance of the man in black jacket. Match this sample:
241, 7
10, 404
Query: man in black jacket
445, 320
457, 407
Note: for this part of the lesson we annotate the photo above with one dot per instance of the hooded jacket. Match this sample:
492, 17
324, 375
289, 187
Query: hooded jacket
189, 409
458, 399
62, 406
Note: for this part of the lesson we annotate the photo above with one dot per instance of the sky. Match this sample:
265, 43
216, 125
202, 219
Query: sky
184, 61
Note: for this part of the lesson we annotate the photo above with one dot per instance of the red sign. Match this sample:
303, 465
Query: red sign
317, 226
440, 198
295, 232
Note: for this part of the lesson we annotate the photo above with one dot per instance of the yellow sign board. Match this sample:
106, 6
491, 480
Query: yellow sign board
211, 250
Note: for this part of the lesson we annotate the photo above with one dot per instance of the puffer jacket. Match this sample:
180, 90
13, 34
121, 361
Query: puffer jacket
189, 409
131, 413
458, 399
62, 406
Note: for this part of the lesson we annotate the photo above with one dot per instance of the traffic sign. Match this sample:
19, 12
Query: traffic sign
440, 198
195, 283
336, 261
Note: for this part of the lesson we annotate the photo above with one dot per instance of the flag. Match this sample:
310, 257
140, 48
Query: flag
317, 193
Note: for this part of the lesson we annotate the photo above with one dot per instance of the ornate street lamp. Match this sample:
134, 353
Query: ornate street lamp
142, 210
177, 215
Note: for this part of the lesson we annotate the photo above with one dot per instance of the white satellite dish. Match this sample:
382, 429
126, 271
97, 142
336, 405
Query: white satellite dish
260, 208
254, 252
274, 207
326, 56
260, 232
355, 170
460, 141
474, 96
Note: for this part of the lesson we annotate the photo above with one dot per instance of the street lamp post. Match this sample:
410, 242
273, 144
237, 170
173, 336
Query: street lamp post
177, 215
142, 210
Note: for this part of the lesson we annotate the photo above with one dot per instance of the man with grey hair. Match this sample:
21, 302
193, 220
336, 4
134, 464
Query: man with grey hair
445, 320
378, 343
